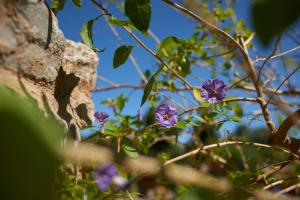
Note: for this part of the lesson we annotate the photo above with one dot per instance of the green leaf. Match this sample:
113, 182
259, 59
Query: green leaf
86, 33
205, 105
235, 118
120, 102
119, 22
77, 3
57, 5
121, 55
130, 151
272, 17
212, 115
194, 124
180, 125
167, 45
30, 145
139, 13
238, 110
200, 119
148, 87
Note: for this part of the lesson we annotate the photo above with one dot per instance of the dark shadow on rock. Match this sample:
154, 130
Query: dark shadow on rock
64, 85
82, 112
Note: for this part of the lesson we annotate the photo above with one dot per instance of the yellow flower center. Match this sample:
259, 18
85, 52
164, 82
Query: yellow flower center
166, 116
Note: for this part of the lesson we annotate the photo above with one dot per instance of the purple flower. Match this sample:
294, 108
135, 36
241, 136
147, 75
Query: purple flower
107, 175
102, 117
166, 115
213, 90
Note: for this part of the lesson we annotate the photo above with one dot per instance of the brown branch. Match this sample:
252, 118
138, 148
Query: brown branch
281, 137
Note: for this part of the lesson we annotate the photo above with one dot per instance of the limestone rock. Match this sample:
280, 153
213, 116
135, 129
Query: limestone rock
37, 60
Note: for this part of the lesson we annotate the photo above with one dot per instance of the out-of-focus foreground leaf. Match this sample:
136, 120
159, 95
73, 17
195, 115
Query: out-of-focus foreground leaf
272, 17
29, 147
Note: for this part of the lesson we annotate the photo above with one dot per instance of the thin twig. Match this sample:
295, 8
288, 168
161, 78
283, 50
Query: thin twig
268, 58
291, 74
278, 55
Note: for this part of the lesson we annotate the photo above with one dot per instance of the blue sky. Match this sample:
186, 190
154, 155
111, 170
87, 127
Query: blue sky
165, 22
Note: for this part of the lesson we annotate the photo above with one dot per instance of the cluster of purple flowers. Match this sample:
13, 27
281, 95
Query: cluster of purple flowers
107, 175
213, 91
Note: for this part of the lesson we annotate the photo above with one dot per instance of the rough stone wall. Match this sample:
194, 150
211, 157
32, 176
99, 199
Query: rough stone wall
36, 59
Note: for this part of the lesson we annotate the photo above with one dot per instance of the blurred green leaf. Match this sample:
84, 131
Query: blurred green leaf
212, 115
180, 125
86, 33
139, 13
77, 3
29, 146
167, 45
238, 110
205, 105
119, 22
200, 119
130, 151
121, 55
57, 5
235, 118
272, 17
120, 102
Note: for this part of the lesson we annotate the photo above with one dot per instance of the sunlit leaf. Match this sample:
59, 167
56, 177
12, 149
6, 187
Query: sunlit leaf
167, 45
180, 125
200, 119
130, 151
86, 33
197, 94
119, 22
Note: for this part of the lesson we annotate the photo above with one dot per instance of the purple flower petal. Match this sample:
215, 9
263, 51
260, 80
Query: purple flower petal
103, 175
102, 117
166, 115
213, 90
